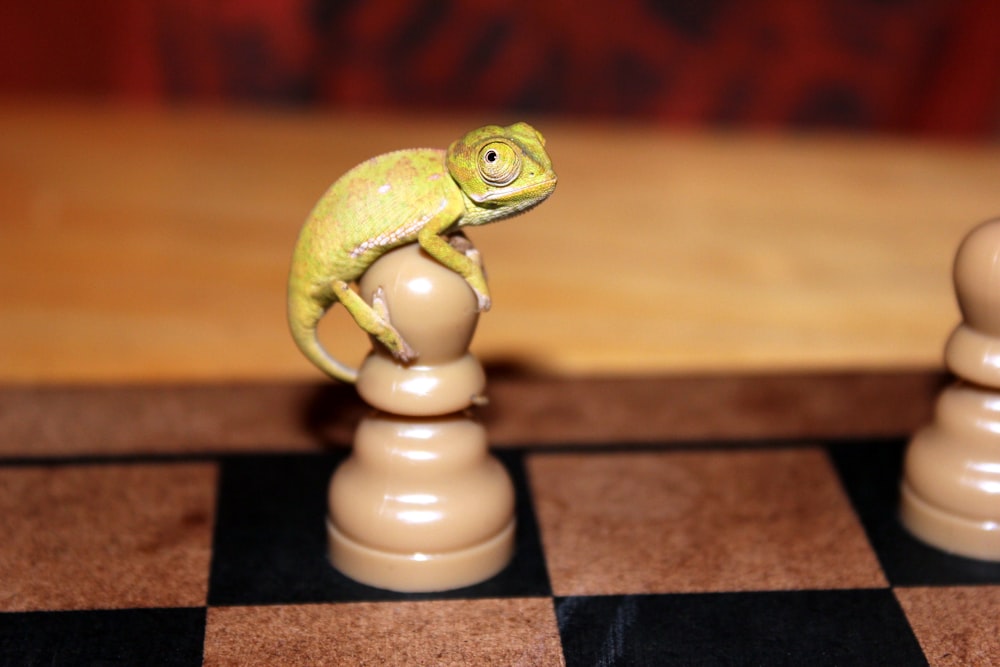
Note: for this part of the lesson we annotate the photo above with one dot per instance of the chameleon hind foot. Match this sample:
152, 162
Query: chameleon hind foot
388, 335
374, 319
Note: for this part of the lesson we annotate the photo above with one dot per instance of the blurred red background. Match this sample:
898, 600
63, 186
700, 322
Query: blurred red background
919, 67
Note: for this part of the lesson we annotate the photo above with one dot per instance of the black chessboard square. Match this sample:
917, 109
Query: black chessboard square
871, 473
270, 542
846, 627
167, 637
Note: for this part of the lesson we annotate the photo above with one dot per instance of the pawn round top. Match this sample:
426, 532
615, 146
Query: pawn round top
436, 312
973, 351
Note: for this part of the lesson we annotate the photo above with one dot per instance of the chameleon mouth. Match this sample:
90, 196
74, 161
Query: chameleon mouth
540, 190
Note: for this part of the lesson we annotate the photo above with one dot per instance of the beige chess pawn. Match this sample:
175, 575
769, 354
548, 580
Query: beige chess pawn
951, 476
421, 505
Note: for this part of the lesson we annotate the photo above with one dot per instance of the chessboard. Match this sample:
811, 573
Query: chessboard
682, 520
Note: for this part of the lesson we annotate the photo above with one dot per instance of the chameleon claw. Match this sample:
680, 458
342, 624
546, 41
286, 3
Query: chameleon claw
389, 336
483, 302
402, 352
475, 257
397, 346
462, 244
380, 306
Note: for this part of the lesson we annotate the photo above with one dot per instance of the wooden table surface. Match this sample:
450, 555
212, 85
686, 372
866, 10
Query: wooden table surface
153, 245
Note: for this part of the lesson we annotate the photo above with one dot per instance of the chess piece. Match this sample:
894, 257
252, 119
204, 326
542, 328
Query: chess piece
951, 477
439, 313
421, 505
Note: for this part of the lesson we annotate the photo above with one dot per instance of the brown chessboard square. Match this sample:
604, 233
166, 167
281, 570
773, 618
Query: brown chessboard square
514, 631
698, 521
105, 536
955, 625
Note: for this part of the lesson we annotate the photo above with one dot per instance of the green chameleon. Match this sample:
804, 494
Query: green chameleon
418, 195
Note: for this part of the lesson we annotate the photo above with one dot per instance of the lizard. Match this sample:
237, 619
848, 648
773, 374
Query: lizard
413, 195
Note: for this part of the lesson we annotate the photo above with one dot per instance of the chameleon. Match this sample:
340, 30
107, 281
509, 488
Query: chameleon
417, 195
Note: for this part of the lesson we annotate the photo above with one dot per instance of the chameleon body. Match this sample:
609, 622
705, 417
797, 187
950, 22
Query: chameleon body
415, 195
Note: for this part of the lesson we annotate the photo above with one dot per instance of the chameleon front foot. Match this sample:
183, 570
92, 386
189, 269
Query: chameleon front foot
477, 280
478, 285
374, 319
483, 302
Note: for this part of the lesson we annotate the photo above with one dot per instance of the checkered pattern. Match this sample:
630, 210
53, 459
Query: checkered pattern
708, 553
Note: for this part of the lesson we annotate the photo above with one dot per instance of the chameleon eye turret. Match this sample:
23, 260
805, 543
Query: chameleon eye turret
499, 163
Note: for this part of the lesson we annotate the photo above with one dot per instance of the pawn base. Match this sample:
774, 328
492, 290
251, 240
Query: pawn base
949, 532
420, 572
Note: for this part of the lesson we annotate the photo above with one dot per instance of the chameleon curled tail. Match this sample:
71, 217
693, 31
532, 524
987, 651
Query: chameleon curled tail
304, 315
309, 302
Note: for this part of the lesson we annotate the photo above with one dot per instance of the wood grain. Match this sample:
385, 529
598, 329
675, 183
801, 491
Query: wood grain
153, 245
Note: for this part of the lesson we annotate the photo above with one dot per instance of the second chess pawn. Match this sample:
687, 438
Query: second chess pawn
951, 484
951, 473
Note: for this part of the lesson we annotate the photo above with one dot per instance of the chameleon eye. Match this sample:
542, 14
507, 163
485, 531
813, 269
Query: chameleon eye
499, 163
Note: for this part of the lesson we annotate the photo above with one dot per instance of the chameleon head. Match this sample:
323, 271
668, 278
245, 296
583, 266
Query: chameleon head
502, 168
